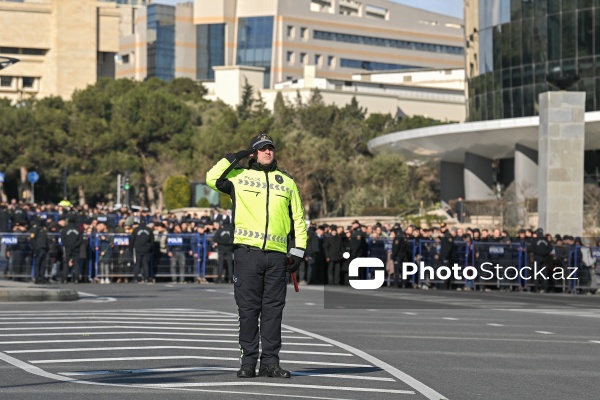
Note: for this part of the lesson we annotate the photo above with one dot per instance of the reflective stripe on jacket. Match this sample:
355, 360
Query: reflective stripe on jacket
266, 205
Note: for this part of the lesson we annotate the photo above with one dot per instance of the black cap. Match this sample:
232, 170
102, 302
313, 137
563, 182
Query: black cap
333, 227
261, 141
522, 231
540, 231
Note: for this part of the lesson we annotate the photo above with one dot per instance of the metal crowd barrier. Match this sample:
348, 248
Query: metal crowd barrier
506, 262
105, 256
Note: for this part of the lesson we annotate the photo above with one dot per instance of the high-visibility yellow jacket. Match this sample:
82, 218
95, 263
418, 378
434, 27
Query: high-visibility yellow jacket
266, 205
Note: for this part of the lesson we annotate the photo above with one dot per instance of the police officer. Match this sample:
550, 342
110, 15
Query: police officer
399, 254
333, 255
72, 238
358, 244
267, 216
141, 242
223, 241
542, 257
40, 244
446, 251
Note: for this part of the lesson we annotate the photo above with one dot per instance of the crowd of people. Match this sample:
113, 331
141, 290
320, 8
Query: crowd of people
66, 243
58, 239
443, 245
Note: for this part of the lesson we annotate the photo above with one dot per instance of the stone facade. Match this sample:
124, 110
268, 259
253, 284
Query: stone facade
63, 45
560, 162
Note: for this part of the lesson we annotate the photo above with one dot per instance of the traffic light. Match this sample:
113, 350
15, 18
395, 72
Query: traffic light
126, 187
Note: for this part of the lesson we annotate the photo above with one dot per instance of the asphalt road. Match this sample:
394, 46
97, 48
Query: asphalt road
159, 341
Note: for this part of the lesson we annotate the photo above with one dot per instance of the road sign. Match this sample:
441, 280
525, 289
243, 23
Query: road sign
33, 177
1, 177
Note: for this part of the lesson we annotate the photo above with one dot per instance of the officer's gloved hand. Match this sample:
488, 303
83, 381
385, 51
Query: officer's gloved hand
243, 154
294, 260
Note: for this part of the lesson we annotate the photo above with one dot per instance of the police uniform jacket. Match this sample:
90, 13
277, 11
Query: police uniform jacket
266, 204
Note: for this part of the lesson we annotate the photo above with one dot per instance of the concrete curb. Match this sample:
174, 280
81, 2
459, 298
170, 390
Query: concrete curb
32, 295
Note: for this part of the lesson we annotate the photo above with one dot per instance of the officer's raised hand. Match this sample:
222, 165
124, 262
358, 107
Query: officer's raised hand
243, 154
294, 260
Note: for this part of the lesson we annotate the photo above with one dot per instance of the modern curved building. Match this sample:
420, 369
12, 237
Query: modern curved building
511, 45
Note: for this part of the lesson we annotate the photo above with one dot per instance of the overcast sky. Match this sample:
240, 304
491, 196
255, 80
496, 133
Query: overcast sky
449, 7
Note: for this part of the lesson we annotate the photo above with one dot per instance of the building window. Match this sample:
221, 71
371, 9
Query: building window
331, 61
318, 60
383, 42
290, 57
125, 59
28, 82
255, 44
304, 33
303, 58
376, 12
26, 51
372, 65
210, 39
6, 81
321, 6
290, 31
161, 41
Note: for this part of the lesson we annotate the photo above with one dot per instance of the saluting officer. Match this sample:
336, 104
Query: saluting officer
267, 217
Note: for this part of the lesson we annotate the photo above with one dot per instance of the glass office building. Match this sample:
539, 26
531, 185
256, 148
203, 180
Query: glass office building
210, 39
161, 41
255, 44
518, 42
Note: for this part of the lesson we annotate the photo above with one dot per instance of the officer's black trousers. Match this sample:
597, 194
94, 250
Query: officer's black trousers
260, 288
225, 261
71, 254
40, 265
142, 263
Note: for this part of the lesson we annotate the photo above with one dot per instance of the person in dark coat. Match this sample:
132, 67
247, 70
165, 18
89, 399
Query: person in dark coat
72, 239
223, 241
358, 244
447, 250
399, 254
333, 256
41, 245
141, 242
316, 256
542, 258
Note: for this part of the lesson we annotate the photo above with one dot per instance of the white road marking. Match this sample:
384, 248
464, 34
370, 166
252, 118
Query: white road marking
310, 304
236, 359
495, 324
280, 385
428, 392
544, 332
43, 320
51, 334
93, 298
111, 321
451, 319
404, 377
122, 311
236, 349
151, 339
40, 372
194, 369
37, 328
410, 313
595, 341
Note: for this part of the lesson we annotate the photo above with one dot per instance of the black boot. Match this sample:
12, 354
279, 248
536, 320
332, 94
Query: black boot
273, 371
247, 371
